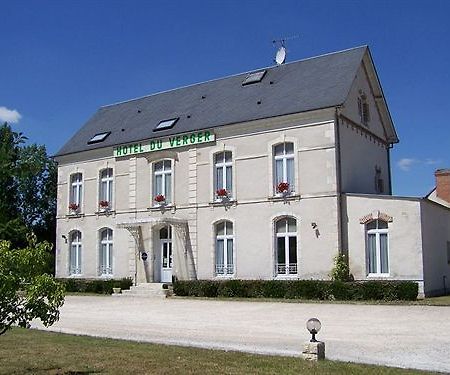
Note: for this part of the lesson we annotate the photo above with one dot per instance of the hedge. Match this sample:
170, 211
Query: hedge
95, 286
300, 289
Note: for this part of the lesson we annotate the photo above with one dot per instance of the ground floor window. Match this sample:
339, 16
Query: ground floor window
377, 247
286, 246
75, 253
224, 248
106, 252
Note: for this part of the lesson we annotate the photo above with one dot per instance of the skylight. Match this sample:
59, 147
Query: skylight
99, 137
166, 124
253, 78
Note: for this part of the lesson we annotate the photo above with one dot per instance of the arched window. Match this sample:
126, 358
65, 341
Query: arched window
75, 253
286, 246
106, 188
162, 180
377, 247
363, 108
76, 190
106, 251
224, 248
284, 171
223, 174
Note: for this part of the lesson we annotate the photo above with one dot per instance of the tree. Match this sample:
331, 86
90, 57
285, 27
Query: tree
26, 291
28, 180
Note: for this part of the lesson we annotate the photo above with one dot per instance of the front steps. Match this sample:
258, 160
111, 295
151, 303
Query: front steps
146, 290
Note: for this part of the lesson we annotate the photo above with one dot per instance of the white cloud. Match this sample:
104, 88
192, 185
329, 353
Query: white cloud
9, 115
432, 161
405, 164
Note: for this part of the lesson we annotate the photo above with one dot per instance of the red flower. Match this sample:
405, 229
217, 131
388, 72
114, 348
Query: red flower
73, 206
103, 204
222, 193
283, 187
160, 198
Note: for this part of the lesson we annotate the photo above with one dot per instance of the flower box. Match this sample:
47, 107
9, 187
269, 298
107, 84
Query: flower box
282, 189
73, 208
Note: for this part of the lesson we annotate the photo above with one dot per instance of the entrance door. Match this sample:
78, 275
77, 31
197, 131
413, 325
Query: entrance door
165, 235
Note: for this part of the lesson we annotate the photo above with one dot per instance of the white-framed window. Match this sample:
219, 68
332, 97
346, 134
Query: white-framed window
286, 246
284, 170
75, 253
363, 109
224, 248
106, 186
162, 180
106, 252
76, 189
377, 247
223, 173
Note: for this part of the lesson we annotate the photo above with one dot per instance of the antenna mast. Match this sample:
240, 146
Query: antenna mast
280, 57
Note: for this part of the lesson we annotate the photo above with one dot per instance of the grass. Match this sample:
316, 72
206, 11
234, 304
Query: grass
37, 352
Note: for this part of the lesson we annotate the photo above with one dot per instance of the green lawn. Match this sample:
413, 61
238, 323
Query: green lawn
36, 352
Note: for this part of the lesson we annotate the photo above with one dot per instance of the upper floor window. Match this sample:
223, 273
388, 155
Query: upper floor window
76, 191
224, 248
223, 174
363, 108
106, 252
377, 247
162, 181
284, 175
75, 253
379, 183
286, 246
106, 188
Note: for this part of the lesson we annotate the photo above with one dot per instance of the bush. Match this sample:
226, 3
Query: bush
95, 286
340, 270
299, 289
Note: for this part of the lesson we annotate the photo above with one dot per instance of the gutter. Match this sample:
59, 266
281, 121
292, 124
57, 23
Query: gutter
338, 178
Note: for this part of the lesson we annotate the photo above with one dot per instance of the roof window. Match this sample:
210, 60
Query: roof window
253, 78
99, 137
166, 124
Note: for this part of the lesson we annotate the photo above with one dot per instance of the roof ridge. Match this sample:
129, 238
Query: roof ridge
232, 75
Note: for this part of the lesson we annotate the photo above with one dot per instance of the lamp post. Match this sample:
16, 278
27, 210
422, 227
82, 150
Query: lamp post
313, 325
313, 350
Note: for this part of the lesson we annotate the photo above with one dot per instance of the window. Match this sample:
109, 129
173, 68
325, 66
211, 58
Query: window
166, 124
106, 252
377, 247
106, 188
363, 109
76, 189
286, 246
100, 137
254, 78
379, 183
284, 175
224, 248
75, 253
162, 180
223, 173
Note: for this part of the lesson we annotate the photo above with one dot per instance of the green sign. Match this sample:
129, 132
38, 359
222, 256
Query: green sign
166, 143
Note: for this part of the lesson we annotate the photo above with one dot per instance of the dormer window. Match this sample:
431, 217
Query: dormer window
99, 137
166, 124
253, 78
363, 108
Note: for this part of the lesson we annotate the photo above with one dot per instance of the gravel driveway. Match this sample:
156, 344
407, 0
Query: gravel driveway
402, 336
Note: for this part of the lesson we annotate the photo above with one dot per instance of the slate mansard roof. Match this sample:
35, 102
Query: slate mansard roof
305, 85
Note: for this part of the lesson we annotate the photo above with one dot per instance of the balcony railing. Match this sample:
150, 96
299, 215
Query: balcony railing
104, 270
286, 269
224, 270
75, 270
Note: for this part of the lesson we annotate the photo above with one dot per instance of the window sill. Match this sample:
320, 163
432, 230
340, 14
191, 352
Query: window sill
286, 277
74, 215
76, 275
221, 277
375, 276
223, 202
280, 198
107, 276
105, 212
162, 208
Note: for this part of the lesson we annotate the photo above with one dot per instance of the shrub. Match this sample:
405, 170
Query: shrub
340, 271
95, 286
299, 289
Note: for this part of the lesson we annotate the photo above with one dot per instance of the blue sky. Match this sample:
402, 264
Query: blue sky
61, 60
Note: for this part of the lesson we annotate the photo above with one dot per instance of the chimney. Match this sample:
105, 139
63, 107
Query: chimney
443, 184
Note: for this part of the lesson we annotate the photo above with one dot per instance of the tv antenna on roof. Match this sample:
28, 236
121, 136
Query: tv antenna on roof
280, 56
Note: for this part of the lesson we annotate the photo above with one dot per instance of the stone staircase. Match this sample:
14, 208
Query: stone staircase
147, 290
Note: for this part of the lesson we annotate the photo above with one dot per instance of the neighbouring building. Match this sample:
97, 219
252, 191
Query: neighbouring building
261, 175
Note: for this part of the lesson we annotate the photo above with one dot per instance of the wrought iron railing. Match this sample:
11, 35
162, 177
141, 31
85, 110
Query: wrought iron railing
224, 270
286, 269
